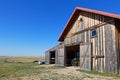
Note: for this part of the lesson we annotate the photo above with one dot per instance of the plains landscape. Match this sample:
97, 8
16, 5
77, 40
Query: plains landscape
23, 68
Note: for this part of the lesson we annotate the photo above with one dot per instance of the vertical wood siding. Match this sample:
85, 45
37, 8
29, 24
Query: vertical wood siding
104, 55
117, 30
85, 56
60, 55
110, 49
47, 57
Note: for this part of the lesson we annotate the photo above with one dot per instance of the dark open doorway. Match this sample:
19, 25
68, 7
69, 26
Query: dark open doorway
52, 57
72, 52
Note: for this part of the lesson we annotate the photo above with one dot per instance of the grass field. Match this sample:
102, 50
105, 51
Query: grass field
23, 58
26, 70
18, 67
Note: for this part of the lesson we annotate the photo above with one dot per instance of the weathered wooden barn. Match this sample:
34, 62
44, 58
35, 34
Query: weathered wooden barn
92, 35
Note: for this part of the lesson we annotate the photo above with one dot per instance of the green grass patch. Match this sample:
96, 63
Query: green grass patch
2, 60
100, 73
57, 67
19, 69
16, 69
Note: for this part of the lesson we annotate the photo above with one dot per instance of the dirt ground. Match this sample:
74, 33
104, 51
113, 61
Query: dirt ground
69, 73
83, 76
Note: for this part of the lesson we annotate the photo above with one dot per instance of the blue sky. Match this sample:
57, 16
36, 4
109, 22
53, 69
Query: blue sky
30, 27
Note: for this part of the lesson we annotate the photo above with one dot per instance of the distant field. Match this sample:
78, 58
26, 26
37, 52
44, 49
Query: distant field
22, 58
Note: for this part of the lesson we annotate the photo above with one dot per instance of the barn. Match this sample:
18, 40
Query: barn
93, 37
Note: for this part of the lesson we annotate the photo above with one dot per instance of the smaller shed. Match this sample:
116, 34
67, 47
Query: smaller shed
55, 55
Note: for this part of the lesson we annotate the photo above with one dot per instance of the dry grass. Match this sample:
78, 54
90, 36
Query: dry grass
33, 71
23, 58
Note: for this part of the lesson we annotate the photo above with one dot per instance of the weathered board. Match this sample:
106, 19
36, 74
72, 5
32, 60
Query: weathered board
103, 45
119, 38
117, 26
117, 46
48, 54
119, 50
110, 49
85, 56
47, 57
56, 57
60, 56
103, 52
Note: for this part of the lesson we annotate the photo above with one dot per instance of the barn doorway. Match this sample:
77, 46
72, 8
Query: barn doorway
72, 52
52, 57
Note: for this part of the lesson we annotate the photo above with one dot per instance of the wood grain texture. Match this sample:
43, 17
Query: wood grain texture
85, 56
105, 46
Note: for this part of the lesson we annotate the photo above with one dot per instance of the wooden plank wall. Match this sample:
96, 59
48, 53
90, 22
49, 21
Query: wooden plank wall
48, 54
104, 46
117, 23
47, 57
56, 56
118, 49
61, 55
104, 56
110, 49
97, 47
85, 56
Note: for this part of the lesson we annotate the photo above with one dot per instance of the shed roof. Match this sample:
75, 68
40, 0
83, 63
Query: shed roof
76, 13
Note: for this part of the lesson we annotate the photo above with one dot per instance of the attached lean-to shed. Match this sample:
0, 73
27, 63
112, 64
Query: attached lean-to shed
93, 37
55, 55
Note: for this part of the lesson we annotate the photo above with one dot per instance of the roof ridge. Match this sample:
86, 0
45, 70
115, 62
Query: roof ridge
76, 11
99, 12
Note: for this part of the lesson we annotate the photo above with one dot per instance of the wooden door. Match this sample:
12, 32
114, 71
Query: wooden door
119, 52
119, 42
85, 56
60, 57
47, 57
117, 24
